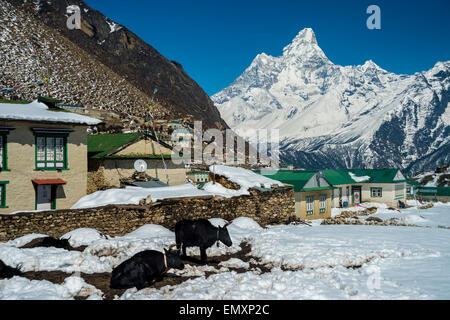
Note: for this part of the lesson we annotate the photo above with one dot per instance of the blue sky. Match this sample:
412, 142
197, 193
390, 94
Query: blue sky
216, 40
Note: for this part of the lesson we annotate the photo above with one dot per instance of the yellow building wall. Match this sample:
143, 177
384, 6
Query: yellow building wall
300, 204
144, 146
116, 169
20, 192
388, 193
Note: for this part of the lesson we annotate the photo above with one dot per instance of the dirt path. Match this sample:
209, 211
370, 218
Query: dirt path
101, 280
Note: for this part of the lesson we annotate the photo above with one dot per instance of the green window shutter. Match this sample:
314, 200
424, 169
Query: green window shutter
310, 205
3, 194
322, 203
51, 152
4, 152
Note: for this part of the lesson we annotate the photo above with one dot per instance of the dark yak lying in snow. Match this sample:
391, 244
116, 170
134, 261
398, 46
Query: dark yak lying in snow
200, 233
57, 243
7, 272
48, 242
144, 268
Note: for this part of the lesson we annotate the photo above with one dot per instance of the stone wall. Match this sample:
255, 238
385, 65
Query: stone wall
274, 207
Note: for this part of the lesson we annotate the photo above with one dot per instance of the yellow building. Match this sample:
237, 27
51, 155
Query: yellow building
112, 158
353, 186
43, 155
312, 192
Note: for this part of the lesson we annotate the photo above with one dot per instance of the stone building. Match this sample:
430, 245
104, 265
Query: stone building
43, 155
112, 158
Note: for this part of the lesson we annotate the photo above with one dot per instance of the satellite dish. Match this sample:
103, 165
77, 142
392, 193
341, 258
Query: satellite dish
140, 165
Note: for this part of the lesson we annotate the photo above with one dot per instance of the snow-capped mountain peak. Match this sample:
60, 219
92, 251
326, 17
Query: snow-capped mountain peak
304, 46
342, 116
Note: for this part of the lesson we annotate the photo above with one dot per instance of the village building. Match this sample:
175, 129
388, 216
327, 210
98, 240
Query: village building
312, 191
198, 176
441, 194
353, 186
43, 156
112, 158
412, 187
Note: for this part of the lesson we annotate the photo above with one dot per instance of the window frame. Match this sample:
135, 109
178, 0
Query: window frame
310, 212
65, 157
323, 209
372, 189
4, 136
3, 194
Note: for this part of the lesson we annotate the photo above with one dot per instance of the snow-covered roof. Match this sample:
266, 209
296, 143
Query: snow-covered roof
243, 177
38, 111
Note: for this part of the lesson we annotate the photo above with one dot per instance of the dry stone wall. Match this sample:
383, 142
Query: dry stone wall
272, 207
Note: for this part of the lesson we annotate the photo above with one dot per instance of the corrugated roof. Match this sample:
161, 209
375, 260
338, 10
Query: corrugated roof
103, 144
297, 178
337, 177
443, 191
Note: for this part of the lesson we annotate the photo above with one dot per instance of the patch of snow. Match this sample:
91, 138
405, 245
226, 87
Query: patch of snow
18, 288
243, 177
358, 179
234, 263
82, 237
133, 195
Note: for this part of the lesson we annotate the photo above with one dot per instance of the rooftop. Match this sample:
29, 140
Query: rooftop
104, 144
38, 111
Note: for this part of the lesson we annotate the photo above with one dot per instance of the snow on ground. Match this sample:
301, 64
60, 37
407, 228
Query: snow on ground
319, 262
19, 288
82, 237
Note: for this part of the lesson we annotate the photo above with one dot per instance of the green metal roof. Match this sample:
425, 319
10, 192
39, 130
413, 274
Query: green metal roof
297, 178
337, 177
103, 144
413, 182
443, 191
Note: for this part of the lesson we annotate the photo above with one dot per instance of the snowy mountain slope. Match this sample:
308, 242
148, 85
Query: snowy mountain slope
342, 116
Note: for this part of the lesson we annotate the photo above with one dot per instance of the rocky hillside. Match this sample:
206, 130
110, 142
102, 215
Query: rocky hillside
103, 66
332, 116
439, 177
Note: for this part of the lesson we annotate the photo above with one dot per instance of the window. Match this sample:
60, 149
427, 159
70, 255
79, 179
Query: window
51, 152
3, 194
3, 153
310, 205
322, 203
376, 192
399, 191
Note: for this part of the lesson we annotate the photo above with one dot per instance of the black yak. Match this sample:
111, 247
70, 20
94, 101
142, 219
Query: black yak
200, 233
57, 243
144, 268
7, 271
